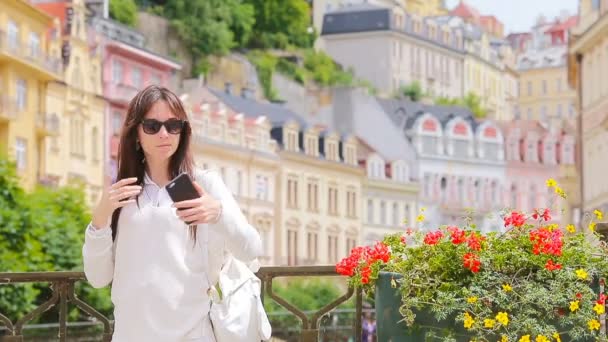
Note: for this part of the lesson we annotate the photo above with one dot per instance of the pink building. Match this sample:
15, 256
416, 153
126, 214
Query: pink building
127, 68
533, 155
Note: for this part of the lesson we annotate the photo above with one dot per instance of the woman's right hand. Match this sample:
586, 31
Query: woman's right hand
115, 196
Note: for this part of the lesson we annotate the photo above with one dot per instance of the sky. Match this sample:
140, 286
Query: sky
519, 15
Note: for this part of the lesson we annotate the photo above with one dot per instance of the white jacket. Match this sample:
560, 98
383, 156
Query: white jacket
160, 277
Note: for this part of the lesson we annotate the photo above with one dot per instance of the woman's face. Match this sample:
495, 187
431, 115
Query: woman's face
159, 141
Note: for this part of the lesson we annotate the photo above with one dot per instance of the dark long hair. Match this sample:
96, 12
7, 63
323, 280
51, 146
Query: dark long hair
131, 159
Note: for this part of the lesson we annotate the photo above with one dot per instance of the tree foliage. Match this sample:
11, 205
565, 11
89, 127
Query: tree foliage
413, 91
124, 11
280, 23
41, 231
470, 101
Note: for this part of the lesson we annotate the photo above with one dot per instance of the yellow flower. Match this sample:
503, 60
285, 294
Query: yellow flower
556, 337
598, 214
599, 308
472, 300
525, 338
571, 228
552, 227
502, 318
507, 288
593, 324
468, 321
581, 274
489, 323
560, 192
504, 339
422, 209
420, 218
542, 338
592, 226
574, 306
551, 183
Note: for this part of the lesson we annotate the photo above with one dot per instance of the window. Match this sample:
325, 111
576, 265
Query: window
558, 85
494, 192
313, 195
292, 193
532, 198
136, 77
571, 110
395, 214
513, 196
351, 210
529, 113
529, 88
544, 87
370, 211
312, 246
444, 189
34, 45
291, 141
559, 111
21, 94
477, 189
332, 248
12, 32
351, 243
116, 72
382, 212
332, 200
261, 187
94, 144
21, 153
350, 155
332, 153
427, 185
407, 213
292, 247
543, 114
116, 123
239, 183
461, 190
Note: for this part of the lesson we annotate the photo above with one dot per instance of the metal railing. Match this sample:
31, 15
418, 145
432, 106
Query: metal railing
14, 47
62, 285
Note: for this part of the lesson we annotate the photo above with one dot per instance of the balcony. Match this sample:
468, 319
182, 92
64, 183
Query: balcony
47, 124
120, 93
47, 67
62, 296
8, 109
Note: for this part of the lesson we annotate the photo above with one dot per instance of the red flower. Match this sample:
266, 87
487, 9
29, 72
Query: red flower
365, 273
515, 219
474, 241
409, 231
545, 215
579, 296
403, 240
602, 299
432, 238
380, 251
546, 241
552, 266
471, 261
457, 235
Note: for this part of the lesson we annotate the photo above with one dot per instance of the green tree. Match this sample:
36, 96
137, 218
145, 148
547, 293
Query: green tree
210, 27
279, 23
470, 101
124, 11
413, 91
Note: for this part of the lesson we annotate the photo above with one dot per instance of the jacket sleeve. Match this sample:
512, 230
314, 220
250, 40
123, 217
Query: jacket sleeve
241, 239
98, 256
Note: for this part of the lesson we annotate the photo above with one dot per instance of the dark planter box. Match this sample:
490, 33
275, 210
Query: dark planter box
390, 327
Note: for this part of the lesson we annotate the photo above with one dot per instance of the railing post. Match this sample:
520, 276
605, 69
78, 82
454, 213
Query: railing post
310, 335
63, 310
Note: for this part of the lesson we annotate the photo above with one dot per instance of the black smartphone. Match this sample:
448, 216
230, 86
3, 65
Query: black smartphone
182, 189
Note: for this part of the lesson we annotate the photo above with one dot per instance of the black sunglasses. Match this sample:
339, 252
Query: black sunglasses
173, 126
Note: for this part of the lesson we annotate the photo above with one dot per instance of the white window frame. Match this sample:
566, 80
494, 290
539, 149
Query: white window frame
21, 94
21, 153
12, 34
136, 79
117, 72
34, 45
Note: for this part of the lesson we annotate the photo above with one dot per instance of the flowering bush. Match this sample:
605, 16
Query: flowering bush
535, 281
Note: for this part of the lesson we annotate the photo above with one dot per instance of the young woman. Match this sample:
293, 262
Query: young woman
161, 268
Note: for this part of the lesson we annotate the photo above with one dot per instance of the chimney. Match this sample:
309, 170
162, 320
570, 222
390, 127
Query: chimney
228, 88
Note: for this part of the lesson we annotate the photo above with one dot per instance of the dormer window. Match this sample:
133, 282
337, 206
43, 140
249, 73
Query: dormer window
400, 172
332, 151
350, 155
375, 168
311, 146
292, 140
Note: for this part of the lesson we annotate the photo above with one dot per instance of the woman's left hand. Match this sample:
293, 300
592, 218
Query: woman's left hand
204, 209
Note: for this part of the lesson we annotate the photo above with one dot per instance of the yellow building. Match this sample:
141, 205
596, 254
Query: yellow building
544, 93
588, 73
75, 155
29, 60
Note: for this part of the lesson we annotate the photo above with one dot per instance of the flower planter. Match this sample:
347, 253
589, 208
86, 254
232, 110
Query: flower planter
391, 329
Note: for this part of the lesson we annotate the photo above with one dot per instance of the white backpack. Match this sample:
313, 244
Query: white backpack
237, 312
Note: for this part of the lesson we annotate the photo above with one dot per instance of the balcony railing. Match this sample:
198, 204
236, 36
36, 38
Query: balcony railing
8, 108
120, 92
47, 123
35, 56
63, 295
